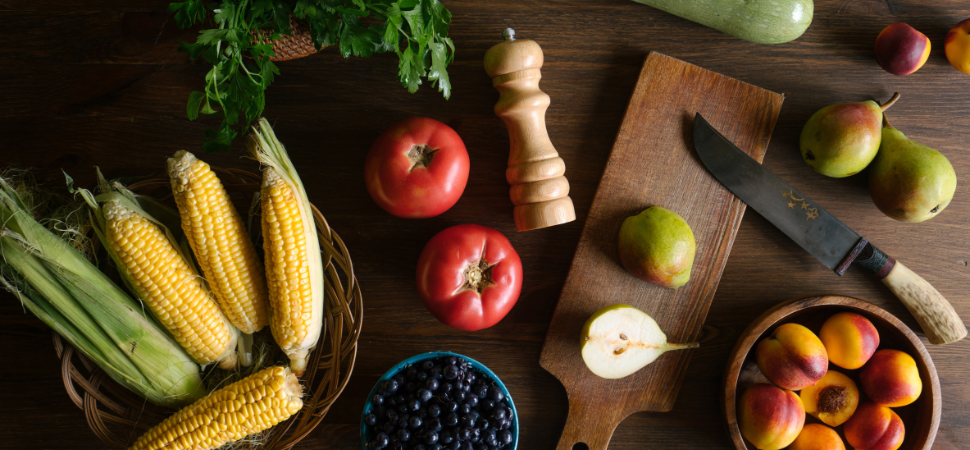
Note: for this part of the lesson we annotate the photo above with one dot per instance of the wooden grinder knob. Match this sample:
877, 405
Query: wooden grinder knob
539, 191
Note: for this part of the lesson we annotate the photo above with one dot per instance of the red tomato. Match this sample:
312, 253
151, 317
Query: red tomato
469, 276
417, 168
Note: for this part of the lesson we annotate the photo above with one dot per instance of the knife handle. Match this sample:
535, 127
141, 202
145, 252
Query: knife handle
934, 313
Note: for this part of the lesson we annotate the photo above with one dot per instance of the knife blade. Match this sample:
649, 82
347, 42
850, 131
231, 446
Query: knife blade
822, 235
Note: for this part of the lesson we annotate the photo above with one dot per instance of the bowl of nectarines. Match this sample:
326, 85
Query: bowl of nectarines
831, 373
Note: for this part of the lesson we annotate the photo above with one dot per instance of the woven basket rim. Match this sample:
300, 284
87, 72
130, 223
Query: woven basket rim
110, 408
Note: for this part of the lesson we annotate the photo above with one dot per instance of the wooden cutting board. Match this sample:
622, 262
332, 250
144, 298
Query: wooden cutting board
653, 162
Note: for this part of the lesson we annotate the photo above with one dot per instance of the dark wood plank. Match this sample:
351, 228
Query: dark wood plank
65, 65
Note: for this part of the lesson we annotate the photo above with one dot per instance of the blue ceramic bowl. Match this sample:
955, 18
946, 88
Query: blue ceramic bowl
365, 431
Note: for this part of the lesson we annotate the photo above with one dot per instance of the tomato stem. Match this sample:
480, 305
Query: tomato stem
478, 276
421, 155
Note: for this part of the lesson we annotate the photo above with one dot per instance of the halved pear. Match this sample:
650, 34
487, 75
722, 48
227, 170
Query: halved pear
619, 340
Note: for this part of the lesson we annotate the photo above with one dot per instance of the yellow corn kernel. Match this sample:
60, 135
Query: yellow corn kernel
220, 242
169, 286
247, 406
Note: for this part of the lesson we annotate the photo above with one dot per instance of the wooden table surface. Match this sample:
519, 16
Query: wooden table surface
100, 84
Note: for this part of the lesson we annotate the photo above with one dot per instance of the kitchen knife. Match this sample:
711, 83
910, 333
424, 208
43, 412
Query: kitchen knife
818, 232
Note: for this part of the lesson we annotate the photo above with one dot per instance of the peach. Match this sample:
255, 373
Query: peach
891, 378
832, 400
815, 436
874, 427
769, 417
792, 357
850, 339
900, 49
957, 46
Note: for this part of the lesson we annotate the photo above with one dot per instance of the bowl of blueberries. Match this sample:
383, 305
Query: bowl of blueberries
439, 401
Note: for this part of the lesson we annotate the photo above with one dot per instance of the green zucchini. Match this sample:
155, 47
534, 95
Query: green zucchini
761, 21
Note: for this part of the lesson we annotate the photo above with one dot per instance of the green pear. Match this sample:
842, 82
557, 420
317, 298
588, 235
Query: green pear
909, 181
657, 246
842, 139
619, 340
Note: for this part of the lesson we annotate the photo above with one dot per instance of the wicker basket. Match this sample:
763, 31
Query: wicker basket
118, 417
296, 45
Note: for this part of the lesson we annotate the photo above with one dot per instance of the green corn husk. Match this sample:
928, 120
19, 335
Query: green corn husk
68, 293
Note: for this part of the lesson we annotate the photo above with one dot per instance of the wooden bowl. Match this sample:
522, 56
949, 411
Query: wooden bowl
921, 418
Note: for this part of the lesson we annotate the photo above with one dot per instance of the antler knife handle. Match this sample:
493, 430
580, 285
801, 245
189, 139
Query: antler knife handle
540, 191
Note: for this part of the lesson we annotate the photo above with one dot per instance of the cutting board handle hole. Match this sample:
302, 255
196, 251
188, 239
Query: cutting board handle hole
580, 446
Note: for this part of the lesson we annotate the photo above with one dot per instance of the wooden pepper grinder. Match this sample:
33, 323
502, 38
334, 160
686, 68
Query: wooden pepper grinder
539, 191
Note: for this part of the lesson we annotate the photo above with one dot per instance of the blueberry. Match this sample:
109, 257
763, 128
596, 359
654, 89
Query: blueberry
370, 419
422, 376
471, 400
377, 400
382, 440
427, 365
499, 414
495, 394
471, 418
465, 408
431, 384
445, 387
464, 434
490, 435
434, 411
436, 372
390, 386
455, 445
389, 427
481, 446
485, 404
414, 405
399, 378
466, 446
450, 372
458, 396
402, 408
505, 437
403, 435
476, 435
434, 447
508, 412
451, 420
402, 422
434, 424
480, 389
445, 437
451, 361
430, 437
424, 395
470, 377
451, 406
399, 399
411, 373
467, 388
482, 423
415, 422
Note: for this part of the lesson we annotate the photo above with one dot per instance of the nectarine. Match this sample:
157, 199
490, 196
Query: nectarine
874, 427
957, 46
832, 400
815, 436
891, 378
850, 339
900, 49
792, 357
769, 417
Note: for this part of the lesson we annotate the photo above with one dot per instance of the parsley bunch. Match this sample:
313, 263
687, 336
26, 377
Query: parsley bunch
239, 49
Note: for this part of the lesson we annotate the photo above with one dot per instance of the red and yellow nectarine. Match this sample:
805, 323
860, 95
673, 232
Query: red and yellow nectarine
874, 427
957, 46
832, 400
891, 378
815, 436
769, 417
792, 357
900, 49
850, 339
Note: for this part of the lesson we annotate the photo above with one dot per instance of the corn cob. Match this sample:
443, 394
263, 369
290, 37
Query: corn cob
248, 406
68, 293
294, 267
170, 287
221, 245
